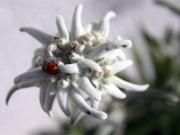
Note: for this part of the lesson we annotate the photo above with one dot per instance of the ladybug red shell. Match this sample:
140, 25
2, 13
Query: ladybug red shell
50, 67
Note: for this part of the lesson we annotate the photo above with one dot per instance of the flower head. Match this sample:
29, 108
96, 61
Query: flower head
77, 66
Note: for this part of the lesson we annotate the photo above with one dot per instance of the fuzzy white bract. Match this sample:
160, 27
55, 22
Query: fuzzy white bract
77, 66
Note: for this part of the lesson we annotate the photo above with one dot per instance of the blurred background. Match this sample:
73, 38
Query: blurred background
154, 28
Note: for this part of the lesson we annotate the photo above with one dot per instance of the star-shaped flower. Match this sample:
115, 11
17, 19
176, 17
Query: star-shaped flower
77, 66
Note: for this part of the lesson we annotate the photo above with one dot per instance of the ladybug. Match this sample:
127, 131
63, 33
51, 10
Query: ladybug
50, 67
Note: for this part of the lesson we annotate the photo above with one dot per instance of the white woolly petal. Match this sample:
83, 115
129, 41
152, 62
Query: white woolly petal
81, 103
104, 26
70, 68
51, 48
128, 86
49, 97
87, 87
42, 37
95, 104
102, 48
62, 97
95, 51
75, 56
114, 54
76, 116
37, 61
119, 66
83, 62
114, 91
32, 74
124, 43
76, 26
62, 28
42, 94
39, 56
120, 54
19, 86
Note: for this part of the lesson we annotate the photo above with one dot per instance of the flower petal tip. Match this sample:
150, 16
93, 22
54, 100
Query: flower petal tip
79, 6
104, 116
50, 114
123, 96
111, 14
146, 86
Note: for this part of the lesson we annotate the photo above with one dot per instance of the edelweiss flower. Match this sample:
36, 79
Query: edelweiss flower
77, 67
